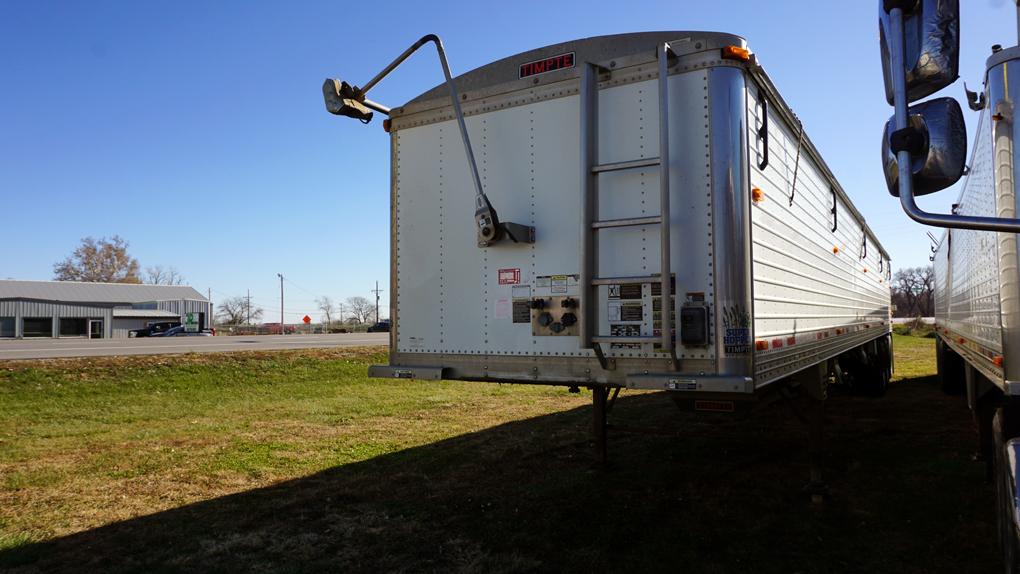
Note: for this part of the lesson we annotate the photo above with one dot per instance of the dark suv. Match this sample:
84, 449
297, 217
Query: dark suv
154, 329
380, 327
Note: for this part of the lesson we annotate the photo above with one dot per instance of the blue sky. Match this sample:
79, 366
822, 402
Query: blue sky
196, 130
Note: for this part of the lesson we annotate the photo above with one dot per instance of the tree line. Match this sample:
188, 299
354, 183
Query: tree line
351, 311
913, 292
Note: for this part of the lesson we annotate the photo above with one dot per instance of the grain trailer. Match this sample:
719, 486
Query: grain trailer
635, 211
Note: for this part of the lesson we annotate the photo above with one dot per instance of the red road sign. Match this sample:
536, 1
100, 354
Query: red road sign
307, 319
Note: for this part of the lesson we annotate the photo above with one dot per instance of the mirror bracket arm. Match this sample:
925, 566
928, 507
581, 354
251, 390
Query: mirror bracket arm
908, 139
905, 6
907, 200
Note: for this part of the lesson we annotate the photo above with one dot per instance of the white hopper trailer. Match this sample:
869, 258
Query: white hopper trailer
623, 168
976, 262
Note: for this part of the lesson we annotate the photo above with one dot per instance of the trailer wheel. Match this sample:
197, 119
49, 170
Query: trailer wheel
949, 366
870, 367
882, 365
1004, 427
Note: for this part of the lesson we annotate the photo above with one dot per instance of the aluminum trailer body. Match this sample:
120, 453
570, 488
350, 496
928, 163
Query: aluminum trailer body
977, 297
770, 269
976, 278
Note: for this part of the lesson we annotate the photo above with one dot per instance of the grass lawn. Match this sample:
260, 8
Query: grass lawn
295, 461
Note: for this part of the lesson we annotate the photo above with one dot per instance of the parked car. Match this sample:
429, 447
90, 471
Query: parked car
180, 332
154, 329
380, 327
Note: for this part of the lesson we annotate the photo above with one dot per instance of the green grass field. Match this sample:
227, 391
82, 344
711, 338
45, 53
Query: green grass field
297, 462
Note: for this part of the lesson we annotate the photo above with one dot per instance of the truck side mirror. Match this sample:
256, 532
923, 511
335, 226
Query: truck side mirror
938, 146
932, 41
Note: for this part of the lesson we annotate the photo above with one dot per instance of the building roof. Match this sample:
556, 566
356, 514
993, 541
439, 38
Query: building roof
145, 314
75, 292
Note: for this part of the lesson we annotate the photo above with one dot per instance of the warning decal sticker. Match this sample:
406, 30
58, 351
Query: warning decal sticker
510, 276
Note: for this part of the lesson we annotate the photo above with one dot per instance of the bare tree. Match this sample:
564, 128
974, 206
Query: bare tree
914, 292
361, 309
237, 311
328, 309
101, 261
159, 275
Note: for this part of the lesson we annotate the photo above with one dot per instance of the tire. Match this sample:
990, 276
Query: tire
1005, 503
950, 369
882, 368
871, 372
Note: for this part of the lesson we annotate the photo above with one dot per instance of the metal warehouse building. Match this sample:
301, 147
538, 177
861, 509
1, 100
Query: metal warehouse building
93, 310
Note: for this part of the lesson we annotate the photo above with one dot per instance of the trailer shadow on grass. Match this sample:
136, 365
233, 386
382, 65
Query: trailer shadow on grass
716, 495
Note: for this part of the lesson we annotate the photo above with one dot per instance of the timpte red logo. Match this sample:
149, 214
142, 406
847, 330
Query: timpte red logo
510, 276
558, 62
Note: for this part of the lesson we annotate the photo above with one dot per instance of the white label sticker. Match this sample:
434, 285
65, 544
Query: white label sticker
503, 309
613, 310
559, 284
521, 291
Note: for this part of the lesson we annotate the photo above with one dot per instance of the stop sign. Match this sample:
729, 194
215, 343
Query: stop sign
307, 319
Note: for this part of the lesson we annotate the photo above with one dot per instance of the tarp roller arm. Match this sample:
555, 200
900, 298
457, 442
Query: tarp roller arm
338, 101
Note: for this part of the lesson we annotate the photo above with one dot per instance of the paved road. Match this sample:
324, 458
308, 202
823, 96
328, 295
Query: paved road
51, 348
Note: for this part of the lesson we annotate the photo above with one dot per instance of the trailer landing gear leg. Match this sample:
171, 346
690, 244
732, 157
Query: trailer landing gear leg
808, 404
599, 397
815, 414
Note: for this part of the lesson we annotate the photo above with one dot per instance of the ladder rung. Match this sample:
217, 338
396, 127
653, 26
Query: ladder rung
633, 280
627, 340
633, 164
627, 222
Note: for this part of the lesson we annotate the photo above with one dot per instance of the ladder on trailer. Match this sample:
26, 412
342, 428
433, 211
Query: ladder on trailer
590, 279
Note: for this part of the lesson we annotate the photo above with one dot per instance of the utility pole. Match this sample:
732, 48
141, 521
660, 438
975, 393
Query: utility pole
212, 312
283, 331
377, 290
247, 308
341, 314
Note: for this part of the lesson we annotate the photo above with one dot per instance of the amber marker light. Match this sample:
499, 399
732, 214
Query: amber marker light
757, 194
736, 53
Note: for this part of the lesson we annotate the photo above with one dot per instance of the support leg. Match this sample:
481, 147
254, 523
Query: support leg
815, 415
599, 396
809, 406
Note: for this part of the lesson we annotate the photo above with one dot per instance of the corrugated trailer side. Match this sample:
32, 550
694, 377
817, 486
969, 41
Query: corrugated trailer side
969, 291
821, 278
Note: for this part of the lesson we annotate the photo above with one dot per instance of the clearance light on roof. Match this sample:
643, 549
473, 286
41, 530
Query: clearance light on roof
736, 53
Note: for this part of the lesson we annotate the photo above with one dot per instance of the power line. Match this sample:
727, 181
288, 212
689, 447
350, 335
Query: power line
300, 288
